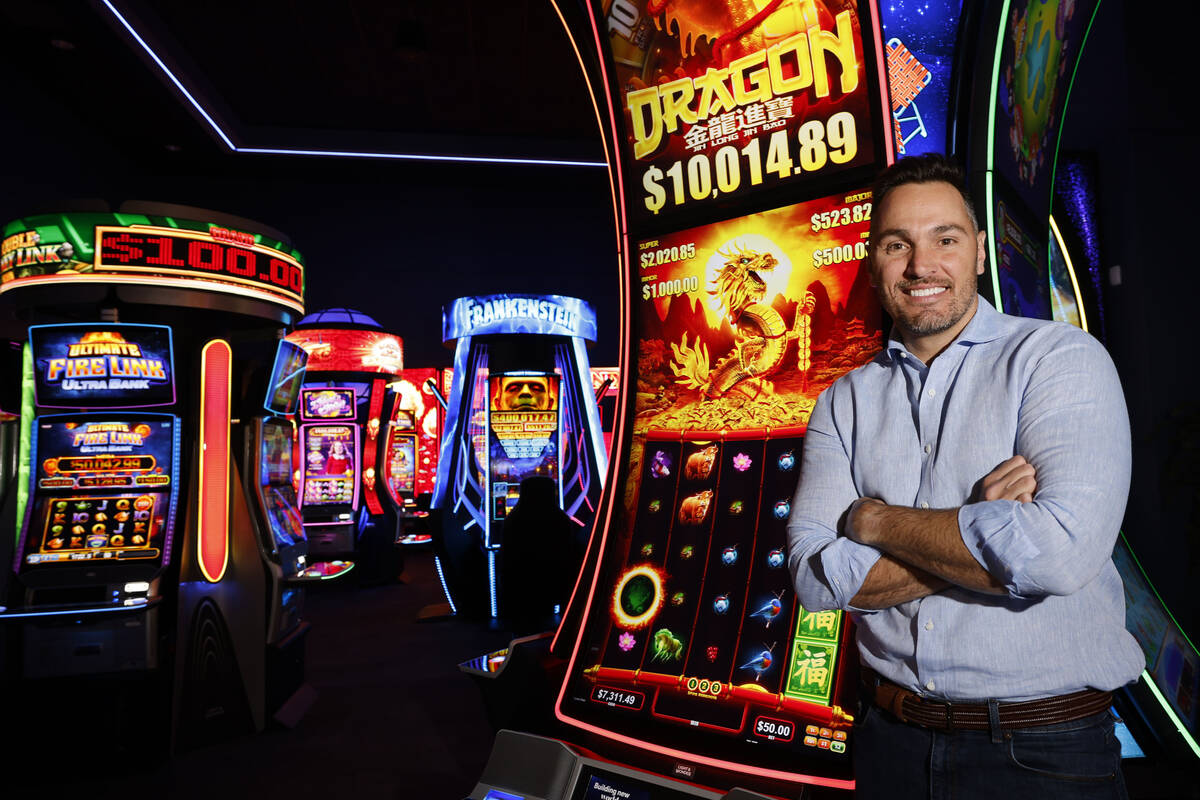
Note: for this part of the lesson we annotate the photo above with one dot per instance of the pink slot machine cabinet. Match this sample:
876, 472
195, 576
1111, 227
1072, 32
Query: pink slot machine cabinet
348, 517
409, 455
742, 141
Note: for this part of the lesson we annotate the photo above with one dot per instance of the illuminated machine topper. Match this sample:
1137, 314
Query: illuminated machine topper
103, 488
552, 315
350, 350
327, 404
102, 366
724, 99
164, 251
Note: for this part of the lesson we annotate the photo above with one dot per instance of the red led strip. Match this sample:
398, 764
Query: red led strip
216, 369
371, 446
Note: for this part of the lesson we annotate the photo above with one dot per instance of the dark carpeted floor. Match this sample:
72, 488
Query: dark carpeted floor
394, 716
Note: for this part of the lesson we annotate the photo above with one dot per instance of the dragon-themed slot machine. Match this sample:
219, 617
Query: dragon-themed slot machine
745, 138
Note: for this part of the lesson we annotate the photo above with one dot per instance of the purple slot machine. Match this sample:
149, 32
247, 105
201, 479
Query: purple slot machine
135, 610
743, 141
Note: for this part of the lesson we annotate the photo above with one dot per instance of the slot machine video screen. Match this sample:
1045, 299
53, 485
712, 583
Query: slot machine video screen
104, 490
694, 638
330, 476
523, 434
276, 483
400, 468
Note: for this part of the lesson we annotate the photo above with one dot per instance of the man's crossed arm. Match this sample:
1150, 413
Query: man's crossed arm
923, 550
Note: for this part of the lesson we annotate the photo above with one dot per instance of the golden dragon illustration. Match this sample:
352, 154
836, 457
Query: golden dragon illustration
761, 335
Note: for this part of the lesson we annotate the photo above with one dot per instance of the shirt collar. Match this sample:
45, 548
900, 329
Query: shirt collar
986, 325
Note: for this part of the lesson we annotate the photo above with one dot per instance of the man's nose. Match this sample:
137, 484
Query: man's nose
920, 262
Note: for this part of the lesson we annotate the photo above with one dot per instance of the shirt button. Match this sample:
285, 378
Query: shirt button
929, 685
933, 392
928, 449
924, 505
929, 625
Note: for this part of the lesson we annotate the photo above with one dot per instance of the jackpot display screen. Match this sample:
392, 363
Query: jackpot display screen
275, 470
149, 250
722, 100
522, 434
103, 490
335, 403
330, 475
287, 374
102, 365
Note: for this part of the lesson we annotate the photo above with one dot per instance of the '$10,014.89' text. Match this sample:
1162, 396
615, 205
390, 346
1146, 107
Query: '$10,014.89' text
705, 177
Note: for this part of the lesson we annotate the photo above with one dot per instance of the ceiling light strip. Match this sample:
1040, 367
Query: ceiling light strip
282, 151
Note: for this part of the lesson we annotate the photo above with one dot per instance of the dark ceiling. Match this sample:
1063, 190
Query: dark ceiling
91, 120
449, 77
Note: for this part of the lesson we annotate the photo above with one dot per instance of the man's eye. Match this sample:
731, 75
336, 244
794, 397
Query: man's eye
948, 241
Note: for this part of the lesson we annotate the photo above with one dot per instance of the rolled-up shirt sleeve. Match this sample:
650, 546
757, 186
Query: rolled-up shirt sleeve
1074, 429
827, 569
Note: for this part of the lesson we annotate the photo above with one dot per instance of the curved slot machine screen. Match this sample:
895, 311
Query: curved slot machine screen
400, 468
287, 374
276, 479
104, 491
694, 636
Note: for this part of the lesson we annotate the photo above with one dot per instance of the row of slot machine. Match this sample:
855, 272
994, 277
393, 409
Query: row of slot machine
172, 467
742, 143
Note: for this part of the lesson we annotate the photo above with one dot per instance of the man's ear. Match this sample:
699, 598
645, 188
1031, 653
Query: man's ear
980, 252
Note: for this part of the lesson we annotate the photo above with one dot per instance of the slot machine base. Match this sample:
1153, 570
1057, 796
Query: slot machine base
90, 644
527, 767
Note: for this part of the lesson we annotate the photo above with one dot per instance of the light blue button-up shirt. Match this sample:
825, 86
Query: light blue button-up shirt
922, 436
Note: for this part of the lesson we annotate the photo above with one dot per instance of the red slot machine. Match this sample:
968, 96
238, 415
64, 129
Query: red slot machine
348, 517
742, 144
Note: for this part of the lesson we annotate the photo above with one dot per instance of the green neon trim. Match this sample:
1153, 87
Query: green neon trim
1062, 123
991, 239
26, 436
989, 199
1187, 736
1150, 583
1062, 246
991, 126
85, 245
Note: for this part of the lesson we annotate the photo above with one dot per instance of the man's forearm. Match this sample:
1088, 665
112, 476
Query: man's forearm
892, 582
928, 540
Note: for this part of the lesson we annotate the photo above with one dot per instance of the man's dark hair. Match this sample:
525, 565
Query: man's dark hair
928, 168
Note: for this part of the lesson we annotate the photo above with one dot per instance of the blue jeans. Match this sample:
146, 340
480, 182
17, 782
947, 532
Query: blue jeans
1067, 761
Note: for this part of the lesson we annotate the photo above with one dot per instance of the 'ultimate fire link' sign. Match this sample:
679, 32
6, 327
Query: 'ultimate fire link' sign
102, 366
724, 98
135, 248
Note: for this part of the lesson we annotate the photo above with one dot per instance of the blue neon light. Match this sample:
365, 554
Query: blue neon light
195, 103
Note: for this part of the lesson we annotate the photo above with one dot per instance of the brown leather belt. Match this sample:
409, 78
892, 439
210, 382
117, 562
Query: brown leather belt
946, 716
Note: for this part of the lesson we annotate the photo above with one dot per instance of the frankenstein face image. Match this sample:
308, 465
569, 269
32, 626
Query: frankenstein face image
524, 393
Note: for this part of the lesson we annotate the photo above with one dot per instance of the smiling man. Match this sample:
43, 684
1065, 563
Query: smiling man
960, 497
